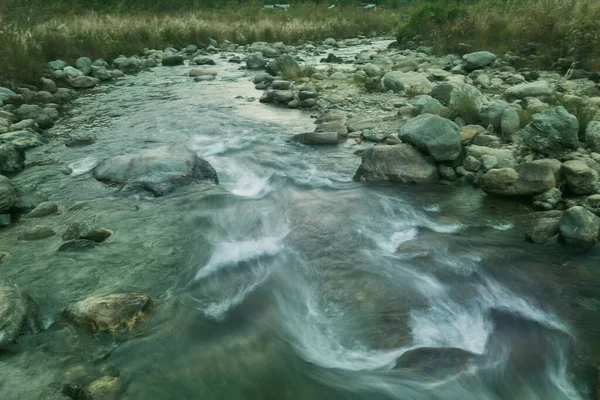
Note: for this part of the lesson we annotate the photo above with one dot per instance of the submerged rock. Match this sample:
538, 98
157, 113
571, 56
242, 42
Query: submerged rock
399, 163
437, 362
36, 232
113, 313
43, 210
160, 170
18, 313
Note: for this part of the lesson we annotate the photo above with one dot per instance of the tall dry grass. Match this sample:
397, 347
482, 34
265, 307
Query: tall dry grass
26, 48
559, 28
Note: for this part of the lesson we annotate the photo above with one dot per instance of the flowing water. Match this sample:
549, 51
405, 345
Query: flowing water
290, 281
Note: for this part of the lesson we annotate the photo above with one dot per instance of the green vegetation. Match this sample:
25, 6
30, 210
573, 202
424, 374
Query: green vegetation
559, 28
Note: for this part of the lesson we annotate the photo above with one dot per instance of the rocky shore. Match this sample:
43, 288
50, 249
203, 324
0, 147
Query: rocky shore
474, 119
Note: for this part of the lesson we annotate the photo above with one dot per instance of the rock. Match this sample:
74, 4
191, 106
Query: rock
337, 126
283, 96
101, 74
28, 111
83, 82
416, 81
173, 60
487, 141
100, 63
44, 97
376, 135
160, 170
466, 102
333, 59
21, 140
94, 234
80, 139
256, 61
510, 122
592, 203
471, 164
8, 195
22, 125
426, 104
43, 210
308, 103
283, 64
447, 173
84, 64
4, 221
11, 159
330, 42
72, 73
318, 138
436, 362
491, 113
191, 49
36, 232
113, 313
552, 131
203, 61
281, 85
19, 314
263, 77
545, 226
548, 200
592, 136
57, 65
579, 177
478, 60
205, 78
268, 97
305, 95
434, 135
202, 72
338, 76
48, 85
579, 227
77, 245
398, 163
372, 70
469, 132
539, 89
128, 65
524, 180
105, 388
442, 92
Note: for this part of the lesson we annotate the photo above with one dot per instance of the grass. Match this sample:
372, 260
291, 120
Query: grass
559, 28
26, 46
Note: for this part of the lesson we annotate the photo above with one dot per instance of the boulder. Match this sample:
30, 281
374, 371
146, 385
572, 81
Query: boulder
319, 138
57, 65
333, 126
579, 227
592, 203
592, 136
8, 195
128, 65
469, 132
544, 227
84, 64
283, 64
48, 85
101, 74
160, 170
256, 61
399, 163
203, 61
551, 131
83, 82
540, 89
113, 313
434, 135
579, 177
202, 72
191, 49
173, 60
442, 92
393, 83
72, 73
524, 180
426, 104
19, 314
77, 139
281, 85
466, 102
510, 122
11, 159
418, 82
28, 111
548, 200
491, 113
478, 60
21, 140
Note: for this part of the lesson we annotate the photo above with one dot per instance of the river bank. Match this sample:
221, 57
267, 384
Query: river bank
287, 267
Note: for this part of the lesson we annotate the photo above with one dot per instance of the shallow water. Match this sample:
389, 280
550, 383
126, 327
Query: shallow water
290, 281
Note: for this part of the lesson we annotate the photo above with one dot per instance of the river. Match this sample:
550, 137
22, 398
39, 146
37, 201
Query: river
290, 281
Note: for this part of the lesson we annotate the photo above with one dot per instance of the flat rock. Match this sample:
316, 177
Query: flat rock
159, 170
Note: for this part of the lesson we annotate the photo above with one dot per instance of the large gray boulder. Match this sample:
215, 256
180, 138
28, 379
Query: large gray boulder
545, 226
393, 83
579, 177
28, 111
19, 314
256, 61
128, 65
466, 102
434, 135
84, 64
510, 122
552, 131
399, 163
579, 227
524, 180
478, 60
11, 159
540, 89
160, 170
491, 113
283, 64
57, 65
592, 136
